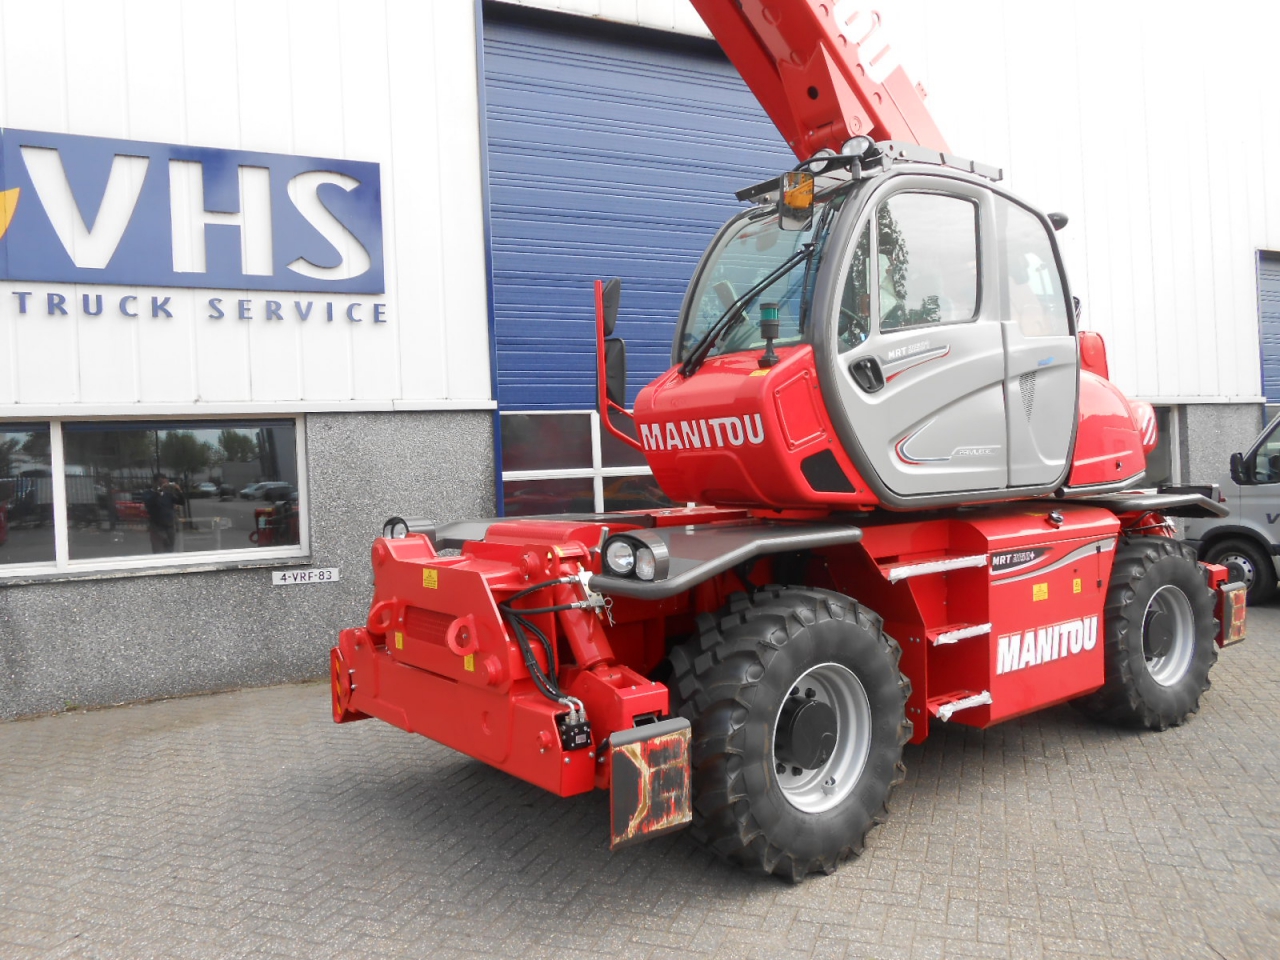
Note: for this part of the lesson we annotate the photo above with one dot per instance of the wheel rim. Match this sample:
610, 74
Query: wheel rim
825, 785
1241, 563
1168, 635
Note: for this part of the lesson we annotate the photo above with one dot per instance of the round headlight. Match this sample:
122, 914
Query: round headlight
620, 557
856, 146
646, 564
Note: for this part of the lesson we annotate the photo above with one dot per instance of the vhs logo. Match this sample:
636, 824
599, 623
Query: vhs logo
93, 210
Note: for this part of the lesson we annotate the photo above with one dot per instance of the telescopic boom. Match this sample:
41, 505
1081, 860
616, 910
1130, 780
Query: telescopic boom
822, 71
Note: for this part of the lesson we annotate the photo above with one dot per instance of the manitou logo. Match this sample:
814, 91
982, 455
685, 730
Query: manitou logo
1017, 651
699, 434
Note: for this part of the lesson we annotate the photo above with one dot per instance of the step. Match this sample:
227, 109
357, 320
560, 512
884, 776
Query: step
955, 632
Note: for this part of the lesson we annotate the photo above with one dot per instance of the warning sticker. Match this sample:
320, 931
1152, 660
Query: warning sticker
1040, 591
431, 578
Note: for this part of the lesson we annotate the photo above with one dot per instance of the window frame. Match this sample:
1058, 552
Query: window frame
63, 567
598, 473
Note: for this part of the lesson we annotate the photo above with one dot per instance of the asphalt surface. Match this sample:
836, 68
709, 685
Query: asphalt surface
249, 825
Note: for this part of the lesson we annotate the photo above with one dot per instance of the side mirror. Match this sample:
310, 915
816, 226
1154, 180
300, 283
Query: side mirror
795, 200
612, 294
615, 370
1239, 475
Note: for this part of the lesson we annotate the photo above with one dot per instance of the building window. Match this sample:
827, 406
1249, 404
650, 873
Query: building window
26, 494
89, 496
557, 462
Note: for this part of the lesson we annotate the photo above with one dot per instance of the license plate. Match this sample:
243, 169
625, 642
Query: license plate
650, 781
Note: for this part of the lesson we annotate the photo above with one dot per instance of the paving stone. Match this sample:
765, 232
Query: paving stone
249, 825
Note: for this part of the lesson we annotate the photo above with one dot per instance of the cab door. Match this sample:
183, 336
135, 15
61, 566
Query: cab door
920, 348
1041, 351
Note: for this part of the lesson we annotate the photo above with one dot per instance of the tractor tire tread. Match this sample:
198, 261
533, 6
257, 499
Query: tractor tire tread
714, 678
1121, 701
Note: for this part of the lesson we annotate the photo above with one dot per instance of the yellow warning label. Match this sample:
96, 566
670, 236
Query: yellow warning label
430, 578
758, 373
1075, 585
469, 663
1040, 591
399, 640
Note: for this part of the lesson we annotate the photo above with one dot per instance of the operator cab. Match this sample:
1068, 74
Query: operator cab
938, 313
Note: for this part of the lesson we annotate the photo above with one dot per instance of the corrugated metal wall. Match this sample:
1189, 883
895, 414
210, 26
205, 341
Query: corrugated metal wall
1151, 125
389, 81
607, 156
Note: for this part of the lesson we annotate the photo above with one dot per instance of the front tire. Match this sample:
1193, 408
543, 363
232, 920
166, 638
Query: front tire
1248, 563
1159, 630
799, 720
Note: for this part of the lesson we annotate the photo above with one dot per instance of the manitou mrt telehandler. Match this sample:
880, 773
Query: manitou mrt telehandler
913, 487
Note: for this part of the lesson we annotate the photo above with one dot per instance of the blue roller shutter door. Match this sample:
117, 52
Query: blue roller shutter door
608, 155
1269, 322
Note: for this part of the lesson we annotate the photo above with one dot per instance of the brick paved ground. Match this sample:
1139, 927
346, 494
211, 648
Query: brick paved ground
249, 825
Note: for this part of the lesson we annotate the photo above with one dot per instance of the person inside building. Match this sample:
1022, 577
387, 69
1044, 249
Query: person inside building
162, 501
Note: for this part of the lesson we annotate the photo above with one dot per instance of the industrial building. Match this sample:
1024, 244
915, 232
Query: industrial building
320, 264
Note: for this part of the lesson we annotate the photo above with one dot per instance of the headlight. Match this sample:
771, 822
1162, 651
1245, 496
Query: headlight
641, 554
621, 557
646, 564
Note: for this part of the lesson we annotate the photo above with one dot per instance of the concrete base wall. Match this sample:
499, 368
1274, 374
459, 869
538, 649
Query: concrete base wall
94, 642
1210, 432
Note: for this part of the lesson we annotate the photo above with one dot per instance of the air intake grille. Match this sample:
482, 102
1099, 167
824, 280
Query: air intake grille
1027, 387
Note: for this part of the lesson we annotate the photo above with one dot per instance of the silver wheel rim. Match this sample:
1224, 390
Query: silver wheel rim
813, 791
1241, 563
1170, 604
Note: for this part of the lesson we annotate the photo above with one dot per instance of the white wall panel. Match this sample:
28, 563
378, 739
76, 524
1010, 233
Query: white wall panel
321, 78
466, 345
1154, 130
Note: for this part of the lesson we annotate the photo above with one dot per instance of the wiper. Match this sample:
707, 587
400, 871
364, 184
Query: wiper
730, 318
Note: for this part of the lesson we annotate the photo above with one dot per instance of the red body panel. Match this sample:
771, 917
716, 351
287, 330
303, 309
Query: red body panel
1109, 447
737, 434
1002, 602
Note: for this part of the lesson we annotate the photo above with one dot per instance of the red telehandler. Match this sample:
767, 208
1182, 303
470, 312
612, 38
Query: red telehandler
911, 489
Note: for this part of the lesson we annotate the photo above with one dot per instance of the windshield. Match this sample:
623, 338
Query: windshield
747, 252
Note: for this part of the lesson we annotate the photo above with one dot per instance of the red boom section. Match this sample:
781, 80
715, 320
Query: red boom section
822, 71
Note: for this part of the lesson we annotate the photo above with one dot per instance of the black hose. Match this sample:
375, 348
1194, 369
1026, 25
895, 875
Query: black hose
545, 682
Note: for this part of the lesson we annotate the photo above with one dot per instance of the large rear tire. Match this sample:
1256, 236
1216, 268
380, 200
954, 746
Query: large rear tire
1159, 631
799, 720
1249, 564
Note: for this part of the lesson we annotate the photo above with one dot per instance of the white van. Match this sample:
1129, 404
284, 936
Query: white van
1246, 541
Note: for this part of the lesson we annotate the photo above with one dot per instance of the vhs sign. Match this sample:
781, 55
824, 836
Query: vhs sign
79, 209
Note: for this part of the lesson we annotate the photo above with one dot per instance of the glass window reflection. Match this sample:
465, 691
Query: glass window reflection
135, 489
26, 494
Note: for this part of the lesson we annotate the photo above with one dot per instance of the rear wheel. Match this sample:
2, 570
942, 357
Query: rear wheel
1248, 564
1160, 630
799, 720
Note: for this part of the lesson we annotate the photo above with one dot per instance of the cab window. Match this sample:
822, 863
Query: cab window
1031, 286
926, 260
1266, 465
855, 303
